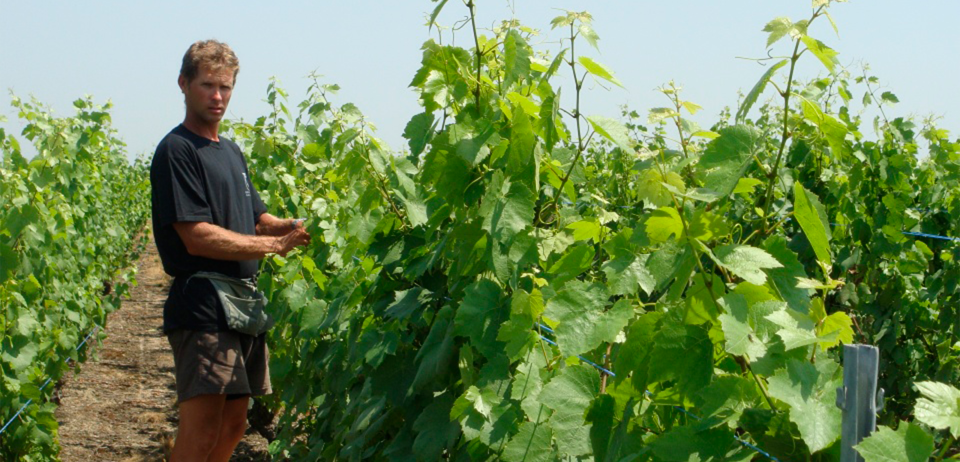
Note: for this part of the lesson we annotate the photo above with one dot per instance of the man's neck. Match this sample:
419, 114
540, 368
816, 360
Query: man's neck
208, 131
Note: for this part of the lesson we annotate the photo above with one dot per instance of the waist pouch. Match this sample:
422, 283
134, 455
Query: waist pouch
242, 303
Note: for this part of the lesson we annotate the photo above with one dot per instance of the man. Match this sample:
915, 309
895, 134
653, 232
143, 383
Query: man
207, 217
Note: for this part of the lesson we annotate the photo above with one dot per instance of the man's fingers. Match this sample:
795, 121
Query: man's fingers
295, 238
303, 237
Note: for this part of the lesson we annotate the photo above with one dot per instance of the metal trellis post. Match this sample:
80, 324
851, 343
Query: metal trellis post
858, 398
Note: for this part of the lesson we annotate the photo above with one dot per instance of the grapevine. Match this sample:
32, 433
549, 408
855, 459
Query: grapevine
463, 291
72, 222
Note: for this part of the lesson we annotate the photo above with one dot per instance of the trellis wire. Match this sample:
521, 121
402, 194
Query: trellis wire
67, 361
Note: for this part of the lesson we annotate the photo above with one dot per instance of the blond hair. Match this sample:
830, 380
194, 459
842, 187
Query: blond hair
216, 55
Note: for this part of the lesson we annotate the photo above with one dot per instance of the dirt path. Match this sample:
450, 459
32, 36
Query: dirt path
119, 406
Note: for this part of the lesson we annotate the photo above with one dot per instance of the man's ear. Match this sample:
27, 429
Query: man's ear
182, 81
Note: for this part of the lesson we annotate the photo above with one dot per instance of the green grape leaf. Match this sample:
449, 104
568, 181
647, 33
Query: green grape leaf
889, 97
757, 89
682, 353
435, 431
437, 352
710, 135
599, 70
533, 443
745, 261
909, 443
482, 400
585, 230
784, 279
436, 12
939, 406
727, 397
418, 132
740, 338
691, 107
636, 350
699, 194
614, 131
8, 262
690, 443
522, 152
778, 28
312, 315
552, 130
26, 323
663, 223
554, 65
660, 113
522, 103
475, 147
406, 302
526, 388
577, 260
727, 158
23, 359
837, 325
507, 208
627, 272
416, 211
502, 422
569, 394
798, 330
516, 58
707, 225
602, 416
446, 171
582, 323
826, 55
525, 309
479, 316
651, 186
812, 218
810, 391
588, 34
833, 130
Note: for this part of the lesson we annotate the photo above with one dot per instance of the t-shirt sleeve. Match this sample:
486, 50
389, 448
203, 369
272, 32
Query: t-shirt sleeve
178, 185
259, 208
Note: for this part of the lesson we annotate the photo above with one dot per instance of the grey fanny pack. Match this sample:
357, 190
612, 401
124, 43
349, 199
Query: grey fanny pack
242, 303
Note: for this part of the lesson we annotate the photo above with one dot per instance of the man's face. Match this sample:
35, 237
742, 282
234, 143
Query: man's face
208, 94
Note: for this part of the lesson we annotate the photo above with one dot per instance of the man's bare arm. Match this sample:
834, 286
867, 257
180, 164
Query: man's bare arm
211, 241
269, 225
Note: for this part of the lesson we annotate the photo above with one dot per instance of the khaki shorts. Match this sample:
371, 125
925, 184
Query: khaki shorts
220, 363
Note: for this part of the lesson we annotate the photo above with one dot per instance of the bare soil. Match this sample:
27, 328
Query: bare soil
119, 405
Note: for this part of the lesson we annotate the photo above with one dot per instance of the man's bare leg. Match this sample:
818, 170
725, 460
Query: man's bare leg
199, 428
232, 428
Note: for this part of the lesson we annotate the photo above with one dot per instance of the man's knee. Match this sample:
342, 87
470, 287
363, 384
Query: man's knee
205, 440
234, 429
195, 444
200, 422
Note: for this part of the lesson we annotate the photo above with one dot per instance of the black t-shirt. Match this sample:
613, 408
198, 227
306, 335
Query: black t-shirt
194, 179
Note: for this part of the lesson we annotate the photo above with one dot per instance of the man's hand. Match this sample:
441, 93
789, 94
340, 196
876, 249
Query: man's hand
269, 225
296, 238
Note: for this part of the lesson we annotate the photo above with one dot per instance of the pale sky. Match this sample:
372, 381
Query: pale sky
130, 52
